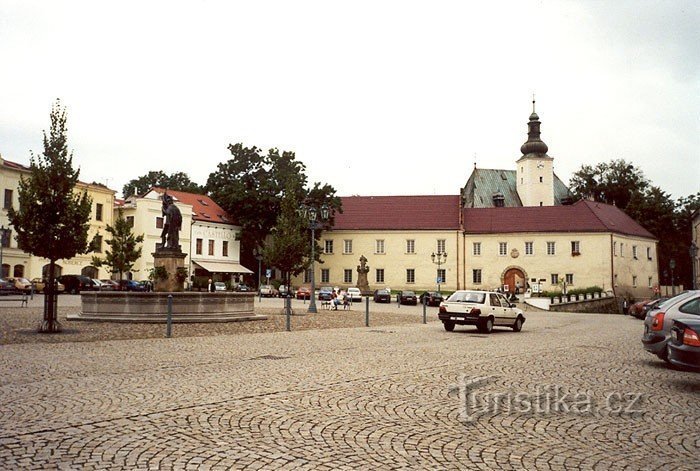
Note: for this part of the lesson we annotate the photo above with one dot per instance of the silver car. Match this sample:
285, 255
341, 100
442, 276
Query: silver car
658, 322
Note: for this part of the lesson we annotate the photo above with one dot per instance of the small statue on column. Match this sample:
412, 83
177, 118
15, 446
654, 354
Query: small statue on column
170, 235
362, 270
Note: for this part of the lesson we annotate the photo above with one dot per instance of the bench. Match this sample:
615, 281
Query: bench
20, 296
329, 305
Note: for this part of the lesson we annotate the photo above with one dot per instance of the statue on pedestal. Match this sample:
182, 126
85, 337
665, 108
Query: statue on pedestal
170, 236
362, 270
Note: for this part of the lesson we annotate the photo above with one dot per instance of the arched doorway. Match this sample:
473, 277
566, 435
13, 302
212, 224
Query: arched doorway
18, 271
514, 280
57, 271
89, 271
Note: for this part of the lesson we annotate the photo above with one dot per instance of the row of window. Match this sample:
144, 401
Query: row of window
635, 252
440, 275
211, 243
380, 246
650, 281
551, 248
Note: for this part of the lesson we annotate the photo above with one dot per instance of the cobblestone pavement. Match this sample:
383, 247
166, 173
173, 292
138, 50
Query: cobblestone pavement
391, 397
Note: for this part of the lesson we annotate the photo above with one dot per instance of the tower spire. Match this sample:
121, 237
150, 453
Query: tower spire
534, 144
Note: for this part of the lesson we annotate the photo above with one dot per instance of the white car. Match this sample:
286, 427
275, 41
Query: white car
483, 309
220, 286
354, 294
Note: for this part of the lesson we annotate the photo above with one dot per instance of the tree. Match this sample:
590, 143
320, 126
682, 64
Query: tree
123, 243
289, 247
251, 186
52, 220
178, 181
613, 183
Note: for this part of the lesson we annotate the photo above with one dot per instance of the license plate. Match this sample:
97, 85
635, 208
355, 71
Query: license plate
674, 335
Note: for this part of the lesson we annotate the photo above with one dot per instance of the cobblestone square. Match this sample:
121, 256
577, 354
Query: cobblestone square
571, 391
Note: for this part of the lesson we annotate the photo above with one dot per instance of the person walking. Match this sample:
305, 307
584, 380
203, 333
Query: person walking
211, 288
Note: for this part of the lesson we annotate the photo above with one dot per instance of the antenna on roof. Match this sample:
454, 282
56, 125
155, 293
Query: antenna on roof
474, 160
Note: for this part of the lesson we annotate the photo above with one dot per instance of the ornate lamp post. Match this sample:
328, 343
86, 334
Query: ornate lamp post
259, 257
314, 216
439, 258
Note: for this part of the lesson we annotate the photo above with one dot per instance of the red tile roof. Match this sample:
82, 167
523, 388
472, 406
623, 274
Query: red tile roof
583, 216
398, 213
203, 207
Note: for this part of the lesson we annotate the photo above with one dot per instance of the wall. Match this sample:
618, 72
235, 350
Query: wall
626, 267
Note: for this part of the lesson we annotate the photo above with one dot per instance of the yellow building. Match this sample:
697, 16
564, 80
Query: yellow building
16, 262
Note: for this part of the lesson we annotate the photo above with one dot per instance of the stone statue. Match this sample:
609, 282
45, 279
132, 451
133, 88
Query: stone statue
362, 270
170, 236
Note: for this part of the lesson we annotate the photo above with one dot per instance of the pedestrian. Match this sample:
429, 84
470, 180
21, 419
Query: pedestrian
211, 288
625, 306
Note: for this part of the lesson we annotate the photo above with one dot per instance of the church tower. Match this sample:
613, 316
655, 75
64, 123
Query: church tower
535, 169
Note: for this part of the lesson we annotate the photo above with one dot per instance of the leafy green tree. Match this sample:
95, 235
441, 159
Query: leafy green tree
52, 220
289, 247
251, 186
178, 181
615, 182
124, 244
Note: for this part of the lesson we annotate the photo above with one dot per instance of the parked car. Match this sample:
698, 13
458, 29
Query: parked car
7, 287
483, 309
407, 297
354, 294
431, 298
284, 291
110, 285
39, 284
325, 293
97, 285
685, 344
219, 286
21, 284
131, 285
268, 291
303, 293
242, 287
650, 307
382, 296
75, 283
637, 309
658, 323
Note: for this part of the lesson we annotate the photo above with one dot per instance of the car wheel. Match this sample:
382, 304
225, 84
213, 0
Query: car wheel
486, 326
518, 326
449, 325
665, 354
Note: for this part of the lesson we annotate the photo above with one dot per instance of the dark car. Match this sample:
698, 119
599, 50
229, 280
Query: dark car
407, 297
7, 287
650, 307
431, 298
325, 293
131, 285
382, 296
75, 283
684, 344
242, 287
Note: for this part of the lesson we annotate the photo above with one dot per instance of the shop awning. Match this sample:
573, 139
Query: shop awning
212, 266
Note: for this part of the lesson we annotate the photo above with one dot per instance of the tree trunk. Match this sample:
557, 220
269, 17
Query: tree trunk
50, 322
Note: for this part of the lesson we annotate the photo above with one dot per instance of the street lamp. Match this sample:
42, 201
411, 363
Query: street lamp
439, 258
314, 216
259, 257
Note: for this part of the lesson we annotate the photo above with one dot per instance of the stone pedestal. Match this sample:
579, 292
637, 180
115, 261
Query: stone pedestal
171, 260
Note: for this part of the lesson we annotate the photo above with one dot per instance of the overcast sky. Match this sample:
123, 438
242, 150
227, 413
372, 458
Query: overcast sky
375, 97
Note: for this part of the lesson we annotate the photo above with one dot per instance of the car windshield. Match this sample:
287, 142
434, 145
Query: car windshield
467, 297
408, 293
382, 291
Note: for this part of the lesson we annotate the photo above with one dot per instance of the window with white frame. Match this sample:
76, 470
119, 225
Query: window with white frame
634, 280
328, 246
502, 248
634, 252
555, 279
569, 278
307, 275
622, 249
379, 275
410, 275
347, 246
410, 246
648, 253
441, 246
476, 248
615, 248
347, 276
325, 275
650, 283
379, 246
529, 248
575, 247
441, 275
476, 276
551, 248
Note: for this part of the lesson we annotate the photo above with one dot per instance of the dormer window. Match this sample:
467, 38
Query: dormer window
203, 203
498, 200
